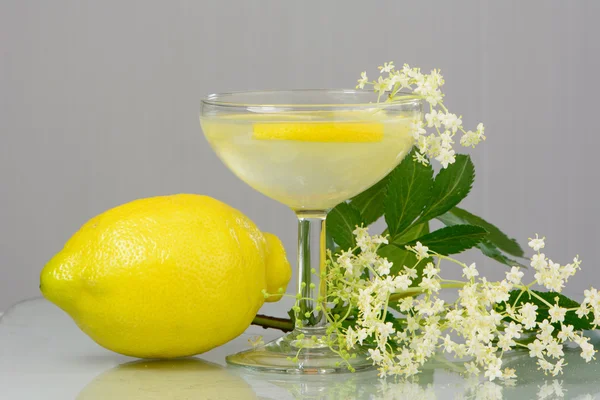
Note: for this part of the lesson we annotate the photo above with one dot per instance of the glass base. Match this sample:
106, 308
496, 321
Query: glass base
276, 356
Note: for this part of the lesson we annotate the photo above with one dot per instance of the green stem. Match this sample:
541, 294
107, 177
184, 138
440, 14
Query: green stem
539, 298
419, 290
283, 324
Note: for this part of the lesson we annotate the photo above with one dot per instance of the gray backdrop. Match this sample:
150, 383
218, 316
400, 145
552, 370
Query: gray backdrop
99, 106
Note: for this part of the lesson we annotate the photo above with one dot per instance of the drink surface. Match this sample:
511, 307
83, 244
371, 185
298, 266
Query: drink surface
310, 161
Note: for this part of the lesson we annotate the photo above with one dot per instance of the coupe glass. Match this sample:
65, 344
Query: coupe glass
310, 150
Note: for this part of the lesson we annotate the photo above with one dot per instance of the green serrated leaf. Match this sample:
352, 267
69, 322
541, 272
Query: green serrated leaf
341, 221
330, 243
488, 246
451, 239
409, 189
400, 256
413, 232
491, 251
450, 186
496, 236
542, 312
370, 202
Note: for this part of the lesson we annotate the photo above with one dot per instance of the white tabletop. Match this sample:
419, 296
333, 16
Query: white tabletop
43, 355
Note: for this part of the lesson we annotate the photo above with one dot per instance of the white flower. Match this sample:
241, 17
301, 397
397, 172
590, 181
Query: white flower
554, 349
546, 330
402, 282
438, 144
557, 313
430, 284
514, 330
480, 130
432, 119
421, 251
387, 67
434, 145
406, 304
566, 333
401, 78
411, 272
538, 261
515, 275
582, 310
451, 121
469, 139
363, 80
506, 342
591, 296
382, 85
446, 157
528, 315
412, 324
470, 272
434, 97
493, 370
537, 243
446, 140
430, 270
350, 338
473, 318
375, 355
361, 335
448, 344
536, 349
384, 330
418, 129
558, 368
383, 267
587, 350
378, 239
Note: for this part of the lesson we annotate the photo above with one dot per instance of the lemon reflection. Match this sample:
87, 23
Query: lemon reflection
188, 378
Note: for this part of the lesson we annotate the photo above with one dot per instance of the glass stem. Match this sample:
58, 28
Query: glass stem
311, 258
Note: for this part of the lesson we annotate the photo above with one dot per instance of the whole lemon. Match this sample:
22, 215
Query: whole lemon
167, 276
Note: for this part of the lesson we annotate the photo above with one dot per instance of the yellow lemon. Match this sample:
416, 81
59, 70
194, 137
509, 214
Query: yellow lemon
166, 276
354, 132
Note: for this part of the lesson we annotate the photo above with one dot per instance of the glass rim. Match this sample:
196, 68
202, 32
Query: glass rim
214, 99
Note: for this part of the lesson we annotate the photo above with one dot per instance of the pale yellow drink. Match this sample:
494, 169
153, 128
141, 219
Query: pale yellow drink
310, 161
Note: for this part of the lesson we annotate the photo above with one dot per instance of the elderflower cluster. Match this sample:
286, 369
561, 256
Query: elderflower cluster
481, 325
443, 124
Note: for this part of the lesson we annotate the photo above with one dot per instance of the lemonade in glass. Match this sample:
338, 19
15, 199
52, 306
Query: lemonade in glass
310, 150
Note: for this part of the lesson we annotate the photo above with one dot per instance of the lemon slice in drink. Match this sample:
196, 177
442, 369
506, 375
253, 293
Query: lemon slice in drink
361, 127
349, 132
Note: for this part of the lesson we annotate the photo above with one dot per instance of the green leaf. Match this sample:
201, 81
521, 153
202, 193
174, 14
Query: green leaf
542, 312
330, 243
341, 221
399, 256
414, 232
488, 248
451, 185
408, 191
491, 251
496, 236
370, 202
451, 239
